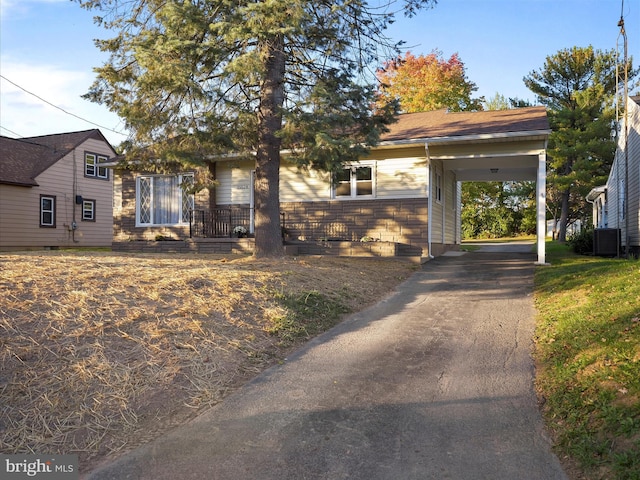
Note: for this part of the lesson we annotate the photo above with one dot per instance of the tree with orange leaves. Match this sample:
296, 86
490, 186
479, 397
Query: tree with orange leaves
427, 82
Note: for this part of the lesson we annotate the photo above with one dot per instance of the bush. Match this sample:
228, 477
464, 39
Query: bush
582, 242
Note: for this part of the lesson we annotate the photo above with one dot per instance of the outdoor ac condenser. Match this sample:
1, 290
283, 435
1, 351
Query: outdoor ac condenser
606, 242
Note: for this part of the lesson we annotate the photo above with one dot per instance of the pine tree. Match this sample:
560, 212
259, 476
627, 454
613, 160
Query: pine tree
577, 86
194, 79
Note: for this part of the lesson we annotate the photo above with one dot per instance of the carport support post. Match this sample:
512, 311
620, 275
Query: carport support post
541, 196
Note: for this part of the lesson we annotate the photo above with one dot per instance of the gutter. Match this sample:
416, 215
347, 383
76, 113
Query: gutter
463, 138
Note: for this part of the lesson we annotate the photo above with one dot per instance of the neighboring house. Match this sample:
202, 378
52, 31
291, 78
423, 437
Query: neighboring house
383, 197
55, 192
610, 209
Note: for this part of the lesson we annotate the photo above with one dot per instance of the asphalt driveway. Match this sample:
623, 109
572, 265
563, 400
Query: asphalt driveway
434, 382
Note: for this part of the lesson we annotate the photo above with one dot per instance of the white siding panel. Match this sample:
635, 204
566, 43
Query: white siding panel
615, 182
437, 208
234, 182
401, 178
298, 185
450, 203
634, 173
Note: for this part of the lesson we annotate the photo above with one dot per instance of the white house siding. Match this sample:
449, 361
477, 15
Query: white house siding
450, 204
396, 178
234, 182
615, 183
303, 185
401, 178
20, 216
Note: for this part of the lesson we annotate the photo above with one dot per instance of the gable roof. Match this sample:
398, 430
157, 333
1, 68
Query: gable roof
443, 124
23, 159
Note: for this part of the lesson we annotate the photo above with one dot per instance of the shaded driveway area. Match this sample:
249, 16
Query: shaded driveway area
434, 382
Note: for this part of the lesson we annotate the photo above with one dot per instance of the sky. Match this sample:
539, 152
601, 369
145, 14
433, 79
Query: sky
47, 53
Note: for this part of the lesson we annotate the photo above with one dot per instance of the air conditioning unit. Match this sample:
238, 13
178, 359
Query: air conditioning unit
606, 242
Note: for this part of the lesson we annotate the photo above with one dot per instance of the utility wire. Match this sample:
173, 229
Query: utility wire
59, 108
11, 131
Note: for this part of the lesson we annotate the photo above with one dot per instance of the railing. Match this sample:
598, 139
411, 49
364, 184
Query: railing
219, 222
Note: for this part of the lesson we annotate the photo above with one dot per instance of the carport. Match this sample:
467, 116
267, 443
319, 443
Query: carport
500, 145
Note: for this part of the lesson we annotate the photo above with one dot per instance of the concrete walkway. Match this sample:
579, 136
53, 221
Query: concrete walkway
435, 382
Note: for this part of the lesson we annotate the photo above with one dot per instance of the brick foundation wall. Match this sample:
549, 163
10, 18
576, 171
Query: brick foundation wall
395, 221
227, 246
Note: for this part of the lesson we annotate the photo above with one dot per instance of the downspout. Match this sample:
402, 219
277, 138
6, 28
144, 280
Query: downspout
429, 199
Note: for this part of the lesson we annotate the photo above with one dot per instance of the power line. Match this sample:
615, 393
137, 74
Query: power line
60, 108
10, 131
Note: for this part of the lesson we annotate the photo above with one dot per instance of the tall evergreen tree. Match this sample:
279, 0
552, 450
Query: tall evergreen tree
577, 85
199, 78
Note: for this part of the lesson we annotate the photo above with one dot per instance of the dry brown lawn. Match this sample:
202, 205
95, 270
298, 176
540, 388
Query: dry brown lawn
101, 352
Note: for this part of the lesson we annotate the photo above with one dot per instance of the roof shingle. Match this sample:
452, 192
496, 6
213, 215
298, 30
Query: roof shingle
23, 159
440, 123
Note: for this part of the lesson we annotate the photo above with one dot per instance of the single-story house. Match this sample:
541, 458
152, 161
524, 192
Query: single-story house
616, 205
405, 192
55, 192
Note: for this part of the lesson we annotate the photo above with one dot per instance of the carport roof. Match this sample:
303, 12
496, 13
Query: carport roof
441, 124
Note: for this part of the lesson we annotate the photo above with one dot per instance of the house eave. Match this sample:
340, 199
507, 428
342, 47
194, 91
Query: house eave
460, 139
596, 192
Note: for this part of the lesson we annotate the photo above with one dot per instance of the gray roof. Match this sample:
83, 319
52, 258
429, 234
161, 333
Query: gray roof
23, 159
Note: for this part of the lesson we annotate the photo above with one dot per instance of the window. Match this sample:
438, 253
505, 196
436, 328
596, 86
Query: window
47, 211
88, 210
163, 199
438, 185
354, 182
92, 166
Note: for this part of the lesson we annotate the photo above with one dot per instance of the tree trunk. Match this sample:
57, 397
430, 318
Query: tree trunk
268, 242
564, 216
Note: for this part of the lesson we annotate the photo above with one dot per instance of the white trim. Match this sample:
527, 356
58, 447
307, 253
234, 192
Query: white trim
180, 177
541, 197
354, 182
535, 134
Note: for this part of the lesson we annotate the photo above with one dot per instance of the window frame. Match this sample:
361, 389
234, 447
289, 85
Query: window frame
51, 211
438, 185
92, 169
354, 181
87, 201
182, 220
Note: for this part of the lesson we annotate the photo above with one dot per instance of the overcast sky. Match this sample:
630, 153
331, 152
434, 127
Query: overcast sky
47, 50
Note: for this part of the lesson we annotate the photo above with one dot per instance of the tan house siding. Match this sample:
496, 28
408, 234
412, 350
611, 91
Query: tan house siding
298, 185
20, 212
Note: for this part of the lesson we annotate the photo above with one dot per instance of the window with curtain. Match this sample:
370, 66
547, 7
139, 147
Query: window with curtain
163, 199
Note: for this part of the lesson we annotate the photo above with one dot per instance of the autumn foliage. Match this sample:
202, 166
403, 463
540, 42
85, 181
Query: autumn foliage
426, 82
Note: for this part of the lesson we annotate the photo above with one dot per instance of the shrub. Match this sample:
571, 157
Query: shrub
582, 242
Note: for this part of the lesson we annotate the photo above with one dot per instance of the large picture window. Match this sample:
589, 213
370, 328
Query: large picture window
163, 199
47, 211
354, 182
